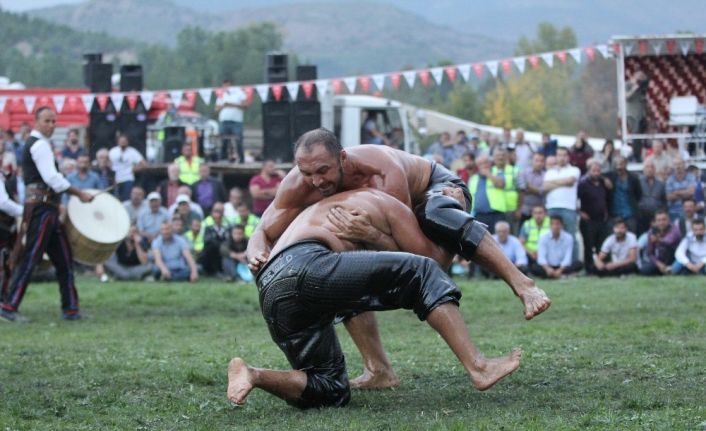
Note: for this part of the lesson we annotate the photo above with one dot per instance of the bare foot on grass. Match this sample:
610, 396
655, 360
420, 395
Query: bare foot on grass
491, 371
239, 381
379, 380
535, 300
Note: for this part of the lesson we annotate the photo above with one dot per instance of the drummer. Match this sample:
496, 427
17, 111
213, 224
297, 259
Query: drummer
44, 232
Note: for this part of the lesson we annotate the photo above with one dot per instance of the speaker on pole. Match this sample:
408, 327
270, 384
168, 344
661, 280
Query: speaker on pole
276, 67
131, 77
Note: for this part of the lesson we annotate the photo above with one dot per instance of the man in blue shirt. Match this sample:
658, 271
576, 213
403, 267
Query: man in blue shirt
680, 185
554, 252
510, 245
172, 257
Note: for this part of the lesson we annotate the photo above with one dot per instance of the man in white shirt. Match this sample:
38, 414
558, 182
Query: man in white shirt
690, 257
618, 255
511, 246
44, 231
125, 161
561, 188
230, 106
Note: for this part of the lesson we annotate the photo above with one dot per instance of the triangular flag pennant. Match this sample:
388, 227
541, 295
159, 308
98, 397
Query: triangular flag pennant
438, 74
58, 100
410, 76
87, 100
478, 69
699, 46
308, 88
395, 79
350, 83
629, 47
603, 49
262, 90
684, 46
519, 63
616, 48
534, 61
29, 103
293, 90
131, 101
591, 53
451, 73
117, 99
562, 56
364, 82
379, 81
492, 68
249, 94
575, 54
277, 90
507, 66
337, 86
205, 94
642, 47
176, 95
465, 71
657, 46
321, 86
147, 97
548, 58
671, 46
424, 77
3, 101
102, 100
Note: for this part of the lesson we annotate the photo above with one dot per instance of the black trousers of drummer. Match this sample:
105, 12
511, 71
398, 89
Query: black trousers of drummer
45, 234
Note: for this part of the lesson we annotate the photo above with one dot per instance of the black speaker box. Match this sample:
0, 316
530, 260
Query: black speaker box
102, 128
306, 72
97, 77
133, 123
174, 138
306, 115
276, 68
131, 77
276, 127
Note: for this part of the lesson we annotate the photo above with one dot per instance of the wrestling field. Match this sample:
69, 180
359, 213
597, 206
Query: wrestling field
609, 354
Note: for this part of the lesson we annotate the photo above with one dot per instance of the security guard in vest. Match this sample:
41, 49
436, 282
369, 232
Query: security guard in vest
532, 229
188, 165
509, 174
44, 232
487, 189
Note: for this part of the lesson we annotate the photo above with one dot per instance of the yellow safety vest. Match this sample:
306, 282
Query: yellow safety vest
510, 192
195, 243
188, 173
496, 196
209, 221
250, 224
534, 232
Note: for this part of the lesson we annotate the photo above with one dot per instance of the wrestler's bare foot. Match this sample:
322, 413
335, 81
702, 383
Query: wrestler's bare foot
535, 301
239, 381
378, 380
490, 371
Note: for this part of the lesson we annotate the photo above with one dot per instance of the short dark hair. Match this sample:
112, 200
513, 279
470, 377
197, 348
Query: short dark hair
557, 218
40, 110
238, 226
688, 200
619, 220
698, 221
562, 149
320, 136
661, 211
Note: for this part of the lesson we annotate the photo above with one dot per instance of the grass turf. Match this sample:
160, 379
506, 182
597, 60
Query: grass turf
609, 354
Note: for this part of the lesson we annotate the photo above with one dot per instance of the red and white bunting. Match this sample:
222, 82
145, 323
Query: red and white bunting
277, 90
507, 66
548, 58
131, 100
561, 55
293, 90
87, 100
262, 91
699, 46
657, 46
3, 101
308, 89
642, 47
590, 53
438, 74
492, 68
478, 69
603, 49
102, 100
396, 79
671, 46
350, 83
337, 86
364, 82
533, 61
685, 45
29, 103
379, 80
465, 71
117, 99
424, 77
629, 47
176, 95
147, 97
58, 101
410, 76
576, 55
520, 63
205, 94
321, 86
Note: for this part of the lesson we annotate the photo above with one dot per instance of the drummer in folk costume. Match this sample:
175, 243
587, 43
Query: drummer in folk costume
44, 232
9, 212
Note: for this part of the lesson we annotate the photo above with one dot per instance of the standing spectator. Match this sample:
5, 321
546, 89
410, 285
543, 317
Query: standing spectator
661, 160
150, 220
532, 230
686, 221
511, 246
172, 258
483, 145
136, 204
230, 106
699, 198
20, 140
103, 170
523, 151
593, 193
245, 218
125, 161
605, 157
169, 187
446, 151
488, 200
625, 193
652, 196
263, 187
215, 234
580, 152
506, 138
469, 167
234, 261
662, 243
680, 185
235, 198
690, 256
130, 260
529, 183
509, 174
208, 190
7, 147
561, 188
72, 146
189, 165
185, 213
193, 206
554, 252
621, 248
548, 145
83, 178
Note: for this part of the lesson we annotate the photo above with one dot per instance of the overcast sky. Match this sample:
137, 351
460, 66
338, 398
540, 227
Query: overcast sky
22, 5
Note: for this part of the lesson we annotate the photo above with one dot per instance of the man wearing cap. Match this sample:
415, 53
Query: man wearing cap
152, 217
185, 213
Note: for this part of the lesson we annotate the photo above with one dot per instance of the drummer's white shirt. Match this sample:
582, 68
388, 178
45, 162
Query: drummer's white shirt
43, 157
7, 205
123, 162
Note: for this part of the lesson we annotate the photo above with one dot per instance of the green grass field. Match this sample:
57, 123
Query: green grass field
609, 354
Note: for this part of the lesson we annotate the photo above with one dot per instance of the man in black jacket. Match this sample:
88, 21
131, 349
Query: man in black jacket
624, 194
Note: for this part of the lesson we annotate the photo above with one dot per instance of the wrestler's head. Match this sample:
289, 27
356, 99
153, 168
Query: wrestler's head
319, 157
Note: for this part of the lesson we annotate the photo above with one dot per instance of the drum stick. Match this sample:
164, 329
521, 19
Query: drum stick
106, 190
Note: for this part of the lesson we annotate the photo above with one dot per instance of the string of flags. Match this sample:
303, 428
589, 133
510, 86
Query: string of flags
363, 83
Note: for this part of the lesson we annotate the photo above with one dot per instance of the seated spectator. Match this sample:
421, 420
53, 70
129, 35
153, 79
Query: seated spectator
396, 140
529, 183
172, 257
185, 213
652, 197
101, 166
680, 185
662, 243
207, 190
169, 187
618, 255
72, 146
532, 230
68, 166
150, 220
235, 198
263, 187
690, 257
216, 231
593, 193
186, 191
136, 204
246, 218
625, 193
580, 152
369, 133
194, 236
130, 260
661, 160
686, 220
125, 161
699, 191
235, 264
510, 245
469, 167
554, 252
177, 225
